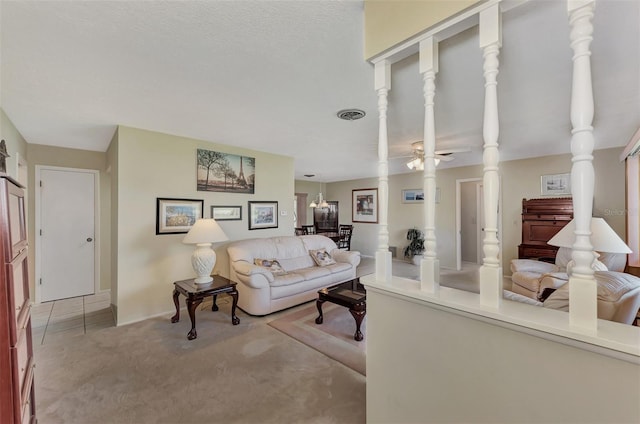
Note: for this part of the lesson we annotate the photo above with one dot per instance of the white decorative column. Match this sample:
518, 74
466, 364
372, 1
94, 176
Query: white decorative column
430, 266
382, 81
583, 308
491, 271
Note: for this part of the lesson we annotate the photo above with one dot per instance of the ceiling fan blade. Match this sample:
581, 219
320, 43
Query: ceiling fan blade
445, 158
452, 150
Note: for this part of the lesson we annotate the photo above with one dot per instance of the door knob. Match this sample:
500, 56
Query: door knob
89, 239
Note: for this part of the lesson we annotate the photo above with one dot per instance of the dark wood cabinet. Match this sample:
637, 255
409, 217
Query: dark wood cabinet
326, 219
541, 220
17, 402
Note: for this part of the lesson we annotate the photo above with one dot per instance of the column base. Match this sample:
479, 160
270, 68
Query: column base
430, 275
383, 266
491, 286
583, 304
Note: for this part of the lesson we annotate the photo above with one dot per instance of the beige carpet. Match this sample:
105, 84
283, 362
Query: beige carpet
334, 337
148, 372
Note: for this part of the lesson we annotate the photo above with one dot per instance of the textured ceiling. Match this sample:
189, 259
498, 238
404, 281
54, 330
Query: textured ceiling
271, 75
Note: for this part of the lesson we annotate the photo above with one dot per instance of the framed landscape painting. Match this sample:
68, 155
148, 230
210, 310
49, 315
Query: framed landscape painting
177, 216
217, 171
556, 184
226, 213
263, 215
414, 195
364, 205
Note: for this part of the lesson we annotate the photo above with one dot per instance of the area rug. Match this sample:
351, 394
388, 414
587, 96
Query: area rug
334, 337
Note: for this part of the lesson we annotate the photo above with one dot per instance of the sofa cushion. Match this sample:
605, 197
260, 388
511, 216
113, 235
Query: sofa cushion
272, 265
313, 272
286, 279
291, 264
321, 257
530, 280
338, 267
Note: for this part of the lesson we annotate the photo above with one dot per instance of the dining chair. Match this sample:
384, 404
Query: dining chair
344, 232
309, 229
300, 231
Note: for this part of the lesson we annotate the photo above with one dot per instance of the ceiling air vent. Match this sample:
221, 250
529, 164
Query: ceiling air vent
351, 114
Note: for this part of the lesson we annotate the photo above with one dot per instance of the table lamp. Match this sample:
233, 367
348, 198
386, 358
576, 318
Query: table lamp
203, 233
603, 238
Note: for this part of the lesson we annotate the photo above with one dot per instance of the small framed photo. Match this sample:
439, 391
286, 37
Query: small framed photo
364, 205
263, 215
226, 213
556, 184
413, 195
177, 216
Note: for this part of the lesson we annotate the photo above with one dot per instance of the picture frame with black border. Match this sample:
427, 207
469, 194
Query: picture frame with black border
226, 213
262, 215
177, 216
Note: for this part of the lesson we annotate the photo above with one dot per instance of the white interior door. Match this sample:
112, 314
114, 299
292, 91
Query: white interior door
67, 234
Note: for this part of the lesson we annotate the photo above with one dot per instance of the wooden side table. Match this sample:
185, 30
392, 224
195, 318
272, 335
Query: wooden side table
195, 294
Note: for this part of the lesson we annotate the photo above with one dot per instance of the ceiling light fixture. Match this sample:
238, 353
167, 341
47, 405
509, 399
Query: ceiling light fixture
351, 114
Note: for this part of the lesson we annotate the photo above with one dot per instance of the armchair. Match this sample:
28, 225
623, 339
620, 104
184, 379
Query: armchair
618, 293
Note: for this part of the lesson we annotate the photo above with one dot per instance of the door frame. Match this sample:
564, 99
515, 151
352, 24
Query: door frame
459, 220
96, 223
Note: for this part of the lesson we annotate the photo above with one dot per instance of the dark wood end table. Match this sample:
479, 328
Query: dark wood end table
195, 294
350, 294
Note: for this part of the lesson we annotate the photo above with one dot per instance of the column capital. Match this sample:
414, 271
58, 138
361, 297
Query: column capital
429, 55
382, 75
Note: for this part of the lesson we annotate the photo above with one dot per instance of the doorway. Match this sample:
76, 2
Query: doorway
66, 222
470, 221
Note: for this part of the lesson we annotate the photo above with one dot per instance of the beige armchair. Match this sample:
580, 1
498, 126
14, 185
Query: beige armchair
618, 293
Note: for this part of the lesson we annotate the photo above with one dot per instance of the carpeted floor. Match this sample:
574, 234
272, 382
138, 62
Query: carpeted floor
334, 337
148, 372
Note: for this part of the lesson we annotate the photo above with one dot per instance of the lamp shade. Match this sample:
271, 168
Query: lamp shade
205, 231
603, 238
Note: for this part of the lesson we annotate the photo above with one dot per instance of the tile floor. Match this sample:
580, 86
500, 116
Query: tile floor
76, 316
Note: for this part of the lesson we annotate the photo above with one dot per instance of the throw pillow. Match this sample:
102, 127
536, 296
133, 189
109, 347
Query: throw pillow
321, 257
272, 265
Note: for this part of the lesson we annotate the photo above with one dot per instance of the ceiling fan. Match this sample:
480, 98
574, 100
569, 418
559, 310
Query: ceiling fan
417, 155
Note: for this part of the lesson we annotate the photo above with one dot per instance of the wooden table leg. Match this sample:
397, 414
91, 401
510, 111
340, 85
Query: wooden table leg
358, 316
319, 306
215, 307
176, 302
191, 306
234, 319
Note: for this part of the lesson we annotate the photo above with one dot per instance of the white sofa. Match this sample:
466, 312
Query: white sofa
261, 292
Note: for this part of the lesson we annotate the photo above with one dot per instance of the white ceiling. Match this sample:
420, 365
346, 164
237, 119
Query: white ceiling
271, 75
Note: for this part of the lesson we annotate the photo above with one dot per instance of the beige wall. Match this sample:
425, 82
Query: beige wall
80, 159
312, 189
389, 22
152, 165
112, 170
16, 144
520, 179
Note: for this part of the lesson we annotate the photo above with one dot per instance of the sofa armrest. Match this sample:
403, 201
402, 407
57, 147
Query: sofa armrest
252, 275
530, 265
347, 256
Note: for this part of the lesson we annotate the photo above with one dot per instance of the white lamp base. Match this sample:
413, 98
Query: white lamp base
203, 260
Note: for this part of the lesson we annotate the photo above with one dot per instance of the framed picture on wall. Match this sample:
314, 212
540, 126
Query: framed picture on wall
556, 184
263, 215
413, 195
364, 207
177, 216
218, 171
226, 213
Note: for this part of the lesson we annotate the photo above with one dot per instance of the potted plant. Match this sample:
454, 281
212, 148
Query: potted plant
416, 244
